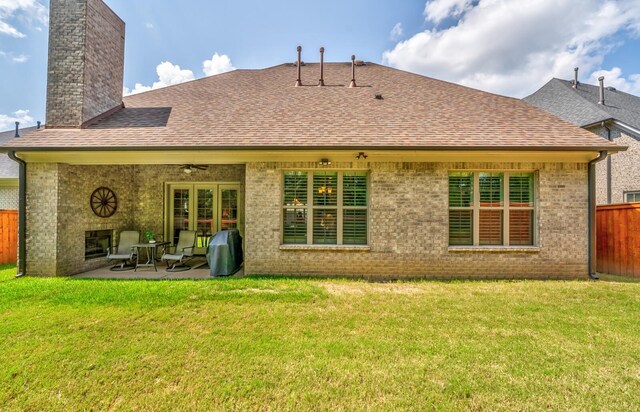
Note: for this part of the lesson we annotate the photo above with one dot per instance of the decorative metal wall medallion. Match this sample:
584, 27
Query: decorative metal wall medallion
103, 202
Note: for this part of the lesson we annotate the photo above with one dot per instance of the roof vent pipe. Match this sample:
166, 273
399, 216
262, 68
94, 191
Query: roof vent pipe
353, 71
575, 78
38, 123
321, 81
601, 80
299, 81
17, 128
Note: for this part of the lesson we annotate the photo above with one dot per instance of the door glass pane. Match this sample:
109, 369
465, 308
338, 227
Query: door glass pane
205, 218
180, 212
229, 209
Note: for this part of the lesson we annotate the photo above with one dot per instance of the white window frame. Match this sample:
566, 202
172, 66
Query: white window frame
505, 208
339, 208
635, 193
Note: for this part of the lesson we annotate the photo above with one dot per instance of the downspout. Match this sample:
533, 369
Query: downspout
608, 165
592, 212
22, 216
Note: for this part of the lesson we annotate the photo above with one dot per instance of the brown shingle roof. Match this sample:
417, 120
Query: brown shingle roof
263, 109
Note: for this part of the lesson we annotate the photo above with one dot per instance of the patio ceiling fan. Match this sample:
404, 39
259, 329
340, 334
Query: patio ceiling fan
189, 168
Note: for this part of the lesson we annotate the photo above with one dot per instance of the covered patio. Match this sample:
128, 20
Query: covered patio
69, 232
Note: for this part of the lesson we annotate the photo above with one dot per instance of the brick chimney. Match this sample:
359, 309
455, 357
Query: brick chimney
86, 62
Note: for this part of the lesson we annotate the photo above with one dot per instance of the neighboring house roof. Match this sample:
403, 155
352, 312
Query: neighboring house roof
9, 168
262, 109
580, 105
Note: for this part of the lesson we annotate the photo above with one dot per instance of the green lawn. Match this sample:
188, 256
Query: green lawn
286, 344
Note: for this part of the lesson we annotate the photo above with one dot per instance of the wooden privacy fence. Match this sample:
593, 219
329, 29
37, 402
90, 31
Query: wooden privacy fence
618, 239
8, 236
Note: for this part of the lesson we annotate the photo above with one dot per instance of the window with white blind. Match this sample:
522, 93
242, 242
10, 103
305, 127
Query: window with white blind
325, 207
632, 196
491, 209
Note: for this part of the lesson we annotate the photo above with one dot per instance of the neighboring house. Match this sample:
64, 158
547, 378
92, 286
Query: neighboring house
400, 176
609, 113
9, 172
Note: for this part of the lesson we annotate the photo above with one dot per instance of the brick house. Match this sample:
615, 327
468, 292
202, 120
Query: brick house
399, 176
607, 112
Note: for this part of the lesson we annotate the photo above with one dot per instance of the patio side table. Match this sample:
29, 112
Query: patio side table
151, 252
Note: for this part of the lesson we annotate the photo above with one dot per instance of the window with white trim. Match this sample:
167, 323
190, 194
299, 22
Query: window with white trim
483, 213
632, 196
325, 207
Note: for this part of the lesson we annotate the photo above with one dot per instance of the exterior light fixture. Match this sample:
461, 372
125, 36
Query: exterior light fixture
361, 155
324, 162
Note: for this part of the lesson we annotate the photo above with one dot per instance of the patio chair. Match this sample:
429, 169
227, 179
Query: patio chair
182, 253
124, 250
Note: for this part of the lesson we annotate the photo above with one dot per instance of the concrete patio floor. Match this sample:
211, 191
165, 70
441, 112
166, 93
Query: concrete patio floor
200, 270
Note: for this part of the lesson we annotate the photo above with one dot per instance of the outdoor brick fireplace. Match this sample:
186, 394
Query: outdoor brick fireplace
97, 243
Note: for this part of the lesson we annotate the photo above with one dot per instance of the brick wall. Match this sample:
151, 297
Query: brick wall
408, 219
58, 212
42, 219
409, 226
625, 172
75, 186
86, 61
104, 60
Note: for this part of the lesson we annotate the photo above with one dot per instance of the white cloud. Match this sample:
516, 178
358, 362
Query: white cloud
8, 122
148, 25
438, 10
20, 59
615, 78
6, 28
514, 46
217, 64
396, 32
29, 11
170, 74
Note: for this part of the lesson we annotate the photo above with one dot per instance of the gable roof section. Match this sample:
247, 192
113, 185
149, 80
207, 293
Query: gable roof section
580, 105
261, 109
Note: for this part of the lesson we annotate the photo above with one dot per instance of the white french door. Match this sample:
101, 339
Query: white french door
203, 207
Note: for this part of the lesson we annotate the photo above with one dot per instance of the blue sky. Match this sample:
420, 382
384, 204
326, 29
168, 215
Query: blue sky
509, 47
